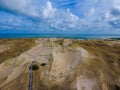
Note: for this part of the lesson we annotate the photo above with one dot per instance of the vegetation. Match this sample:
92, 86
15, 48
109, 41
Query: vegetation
112, 39
17, 46
35, 67
103, 64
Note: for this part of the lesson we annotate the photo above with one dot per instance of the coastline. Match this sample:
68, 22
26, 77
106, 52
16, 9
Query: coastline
65, 36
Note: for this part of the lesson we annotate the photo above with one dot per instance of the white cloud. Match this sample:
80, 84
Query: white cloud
19, 6
97, 13
48, 10
107, 15
90, 12
59, 19
50, 16
116, 4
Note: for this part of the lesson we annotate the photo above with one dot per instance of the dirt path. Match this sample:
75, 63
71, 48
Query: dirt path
30, 76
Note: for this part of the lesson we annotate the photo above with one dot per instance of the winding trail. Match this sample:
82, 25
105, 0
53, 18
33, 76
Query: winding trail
30, 76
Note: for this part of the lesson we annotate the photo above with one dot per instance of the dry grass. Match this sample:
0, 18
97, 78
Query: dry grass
104, 67
18, 47
106, 64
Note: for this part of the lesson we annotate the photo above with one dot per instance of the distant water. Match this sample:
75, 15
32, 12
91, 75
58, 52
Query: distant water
74, 36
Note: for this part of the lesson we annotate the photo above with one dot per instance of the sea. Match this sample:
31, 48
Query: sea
69, 36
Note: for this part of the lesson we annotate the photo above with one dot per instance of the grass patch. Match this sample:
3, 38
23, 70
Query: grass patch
18, 47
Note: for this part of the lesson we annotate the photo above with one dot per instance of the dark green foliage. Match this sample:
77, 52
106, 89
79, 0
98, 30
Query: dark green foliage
35, 67
43, 64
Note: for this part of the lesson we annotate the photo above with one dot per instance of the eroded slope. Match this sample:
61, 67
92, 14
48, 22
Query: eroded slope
64, 64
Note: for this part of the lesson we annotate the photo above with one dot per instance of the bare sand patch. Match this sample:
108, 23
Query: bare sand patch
65, 60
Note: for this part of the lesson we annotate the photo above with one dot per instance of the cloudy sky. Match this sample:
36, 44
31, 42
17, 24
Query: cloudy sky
60, 16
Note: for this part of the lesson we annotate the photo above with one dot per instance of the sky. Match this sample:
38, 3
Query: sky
60, 16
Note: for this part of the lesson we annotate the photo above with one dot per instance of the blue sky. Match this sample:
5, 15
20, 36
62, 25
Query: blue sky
60, 16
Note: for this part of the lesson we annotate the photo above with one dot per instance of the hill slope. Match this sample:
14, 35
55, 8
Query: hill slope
62, 64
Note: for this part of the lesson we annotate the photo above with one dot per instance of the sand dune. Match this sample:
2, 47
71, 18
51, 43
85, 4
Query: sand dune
64, 65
